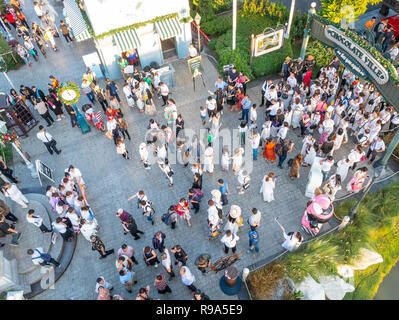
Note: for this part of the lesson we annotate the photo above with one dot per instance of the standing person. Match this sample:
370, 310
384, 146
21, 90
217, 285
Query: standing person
140, 197
48, 35
267, 189
254, 219
130, 226
283, 151
72, 114
245, 106
5, 228
150, 257
253, 235
97, 244
355, 185
143, 151
101, 97
370, 24
230, 241
127, 251
66, 32
167, 264
112, 89
292, 239
167, 170
129, 95
86, 88
161, 285
24, 54
179, 125
376, 146
202, 262
37, 220
148, 210
180, 255
343, 167
43, 111
243, 181
48, 140
164, 91
268, 152
4, 169
42, 258
295, 167
255, 141
5, 211
387, 37
158, 241
61, 226
194, 197
144, 294
11, 191
183, 210
224, 191
55, 105
192, 51
126, 278
326, 165
39, 10
121, 148
87, 229
187, 278
100, 282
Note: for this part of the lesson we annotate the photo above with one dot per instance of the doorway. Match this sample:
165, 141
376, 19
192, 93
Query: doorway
169, 49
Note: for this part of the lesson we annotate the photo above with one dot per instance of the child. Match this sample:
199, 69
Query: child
243, 129
253, 116
203, 114
209, 137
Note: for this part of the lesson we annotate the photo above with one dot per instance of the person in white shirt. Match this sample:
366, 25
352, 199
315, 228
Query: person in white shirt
213, 216
76, 175
255, 141
100, 282
48, 140
62, 228
11, 191
210, 105
292, 240
143, 151
376, 146
40, 257
39, 11
326, 165
164, 91
292, 80
274, 107
192, 51
167, 263
282, 132
230, 241
271, 95
187, 278
394, 52
254, 219
36, 220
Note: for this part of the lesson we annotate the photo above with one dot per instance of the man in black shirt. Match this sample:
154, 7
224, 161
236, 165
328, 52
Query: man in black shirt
180, 255
387, 37
131, 226
72, 114
327, 146
233, 76
112, 89
5, 229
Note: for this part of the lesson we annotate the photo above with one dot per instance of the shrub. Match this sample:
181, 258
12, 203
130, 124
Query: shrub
322, 55
273, 10
8, 58
272, 62
217, 26
298, 25
238, 57
6, 153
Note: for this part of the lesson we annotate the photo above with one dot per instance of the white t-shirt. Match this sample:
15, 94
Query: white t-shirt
61, 228
291, 242
211, 105
164, 90
192, 51
38, 11
326, 165
36, 256
35, 219
167, 263
76, 174
44, 136
231, 241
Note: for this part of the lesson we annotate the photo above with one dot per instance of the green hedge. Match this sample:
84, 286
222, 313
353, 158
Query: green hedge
217, 26
10, 62
6, 153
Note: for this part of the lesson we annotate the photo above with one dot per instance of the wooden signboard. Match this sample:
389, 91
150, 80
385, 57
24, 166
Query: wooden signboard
195, 68
43, 171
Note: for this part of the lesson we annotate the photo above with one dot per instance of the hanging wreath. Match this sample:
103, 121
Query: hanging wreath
8, 137
68, 93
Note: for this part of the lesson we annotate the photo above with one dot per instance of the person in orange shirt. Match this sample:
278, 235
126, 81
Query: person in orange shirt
54, 82
370, 24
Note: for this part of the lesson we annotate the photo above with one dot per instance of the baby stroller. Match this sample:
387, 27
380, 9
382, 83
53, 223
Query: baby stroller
319, 211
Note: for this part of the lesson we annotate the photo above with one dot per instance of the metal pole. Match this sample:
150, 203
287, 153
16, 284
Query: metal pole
199, 39
234, 24
8, 79
306, 35
252, 50
10, 37
287, 33
29, 164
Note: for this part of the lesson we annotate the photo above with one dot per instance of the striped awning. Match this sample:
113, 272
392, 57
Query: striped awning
126, 40
76, 21
168, 28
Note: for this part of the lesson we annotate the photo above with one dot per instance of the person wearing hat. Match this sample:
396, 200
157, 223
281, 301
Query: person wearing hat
233, 219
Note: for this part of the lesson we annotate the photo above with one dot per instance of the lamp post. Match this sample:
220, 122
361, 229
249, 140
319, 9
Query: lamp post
3, 129
234, 24
197, 21
287, 33
306, 34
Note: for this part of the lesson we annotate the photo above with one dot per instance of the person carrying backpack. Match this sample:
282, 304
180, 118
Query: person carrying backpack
170, 218
148, 210
40, 257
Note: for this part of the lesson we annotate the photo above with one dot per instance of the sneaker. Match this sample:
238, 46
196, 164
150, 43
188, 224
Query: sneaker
14, 244
60, 265
241, 192
156, 265
152, 222
58, 119
135, 281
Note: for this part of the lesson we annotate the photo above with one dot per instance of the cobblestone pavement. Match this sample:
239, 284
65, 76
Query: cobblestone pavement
111, 180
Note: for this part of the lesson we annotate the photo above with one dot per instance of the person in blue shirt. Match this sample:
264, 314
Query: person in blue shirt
245, 105
195, 198
220, 84
224, 190
253, 240
126, 278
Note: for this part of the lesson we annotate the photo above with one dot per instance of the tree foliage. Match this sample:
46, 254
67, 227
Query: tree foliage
274, 10
345, 10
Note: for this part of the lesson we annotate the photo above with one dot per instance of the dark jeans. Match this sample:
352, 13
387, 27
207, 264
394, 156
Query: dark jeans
134, 234
44, 229
51, 146
224, 200
66, 235
385, 45
192, 287
116, 96
244, 114
48, 118
167, 289
90, 95
165, 100
67, 37
53, 261
74, 120
134, 259
125, 133
226, 249
371, 153
173, 224
263, 98
281, 159
171, 273
104, 104
11, 217
15, 237
8, 173
196, 206
303, 129
108, 252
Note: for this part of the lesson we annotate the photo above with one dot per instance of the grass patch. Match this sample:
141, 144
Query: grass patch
375, 227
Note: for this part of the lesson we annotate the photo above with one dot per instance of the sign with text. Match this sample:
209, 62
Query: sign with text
268, 42
195, 66
373, 68
355, 67
43, 170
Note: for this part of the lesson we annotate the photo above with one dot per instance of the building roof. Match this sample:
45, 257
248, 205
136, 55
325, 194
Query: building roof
107, 15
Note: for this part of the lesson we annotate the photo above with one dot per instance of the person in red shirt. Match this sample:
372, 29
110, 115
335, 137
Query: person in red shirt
11, 19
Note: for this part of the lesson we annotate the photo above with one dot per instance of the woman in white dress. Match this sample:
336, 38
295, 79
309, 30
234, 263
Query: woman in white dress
225, 161
343, 167
307, 142
339, 137
297, 109
215, 125
333, 185
288, 116
266, 131
310, 155
128, 94
87, 229
237, 160
267, 188
139, 102
87, 215
208, 160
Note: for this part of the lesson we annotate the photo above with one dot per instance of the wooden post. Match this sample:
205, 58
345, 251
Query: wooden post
252, 50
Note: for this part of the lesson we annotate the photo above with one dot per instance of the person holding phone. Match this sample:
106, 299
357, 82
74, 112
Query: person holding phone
292, 240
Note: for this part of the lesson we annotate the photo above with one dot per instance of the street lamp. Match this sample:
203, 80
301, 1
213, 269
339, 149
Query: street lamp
306, 35
197, 22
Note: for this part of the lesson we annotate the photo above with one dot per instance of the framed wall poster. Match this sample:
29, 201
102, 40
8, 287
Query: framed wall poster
268, 42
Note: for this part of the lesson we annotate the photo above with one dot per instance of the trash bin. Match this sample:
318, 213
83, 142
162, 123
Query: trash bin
226, 69
167, 75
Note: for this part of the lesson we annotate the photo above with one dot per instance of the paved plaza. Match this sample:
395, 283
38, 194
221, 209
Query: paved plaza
111, 180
